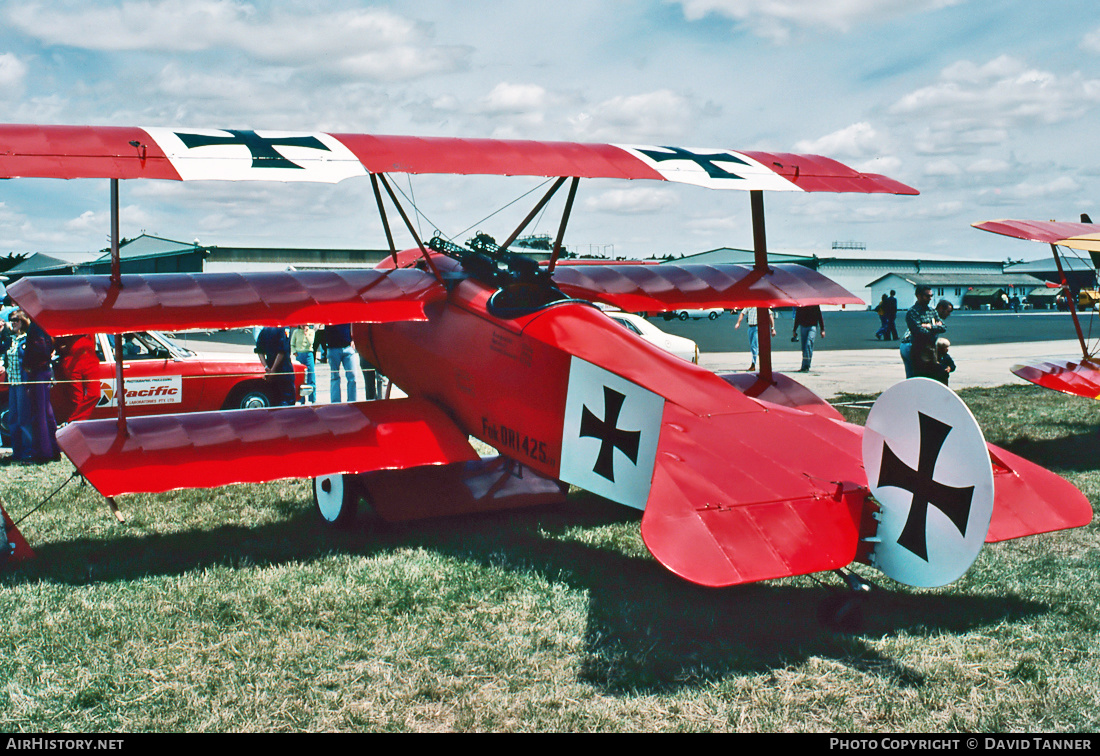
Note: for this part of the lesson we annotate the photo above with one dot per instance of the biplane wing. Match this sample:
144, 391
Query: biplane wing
208, 449
66, 305
669, 286
1084, 236
1080, 377
1077, 377
246, 155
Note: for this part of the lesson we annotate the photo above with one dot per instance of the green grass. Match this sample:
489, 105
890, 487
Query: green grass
235, 610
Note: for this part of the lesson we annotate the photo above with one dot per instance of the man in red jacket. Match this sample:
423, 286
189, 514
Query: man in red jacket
76, 392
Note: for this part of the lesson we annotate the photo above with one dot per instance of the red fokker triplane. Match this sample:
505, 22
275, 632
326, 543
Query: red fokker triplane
1079, 377
740, 478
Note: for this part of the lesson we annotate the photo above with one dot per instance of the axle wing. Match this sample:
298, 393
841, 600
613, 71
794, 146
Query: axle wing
208, 449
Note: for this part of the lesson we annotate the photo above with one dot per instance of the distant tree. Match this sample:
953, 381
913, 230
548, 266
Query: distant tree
121, 243
9, 262
538, 241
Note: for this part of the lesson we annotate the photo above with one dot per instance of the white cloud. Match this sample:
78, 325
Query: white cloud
776, 19
1091, 42
1031, 191
856, 141
981, 102
942, 167
662, 114
91, 222
371, 42
13, 71
633, 201
515, 99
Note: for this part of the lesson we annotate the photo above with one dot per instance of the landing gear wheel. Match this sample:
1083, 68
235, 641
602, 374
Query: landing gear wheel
337, 498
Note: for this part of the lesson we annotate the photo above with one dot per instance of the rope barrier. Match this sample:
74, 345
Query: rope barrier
76, 474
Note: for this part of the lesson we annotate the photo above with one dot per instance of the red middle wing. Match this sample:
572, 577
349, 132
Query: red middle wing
655, 288
66, 305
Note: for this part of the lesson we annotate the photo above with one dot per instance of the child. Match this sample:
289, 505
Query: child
944, 364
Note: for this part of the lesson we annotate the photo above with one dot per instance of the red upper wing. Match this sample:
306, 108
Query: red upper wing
654, 288
66, 305
122, 153
81, 152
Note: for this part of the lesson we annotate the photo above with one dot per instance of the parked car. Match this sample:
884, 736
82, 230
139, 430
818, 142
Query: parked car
162, 376
677, 345
712, 313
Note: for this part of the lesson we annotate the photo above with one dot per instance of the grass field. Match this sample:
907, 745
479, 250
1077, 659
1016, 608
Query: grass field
235, 610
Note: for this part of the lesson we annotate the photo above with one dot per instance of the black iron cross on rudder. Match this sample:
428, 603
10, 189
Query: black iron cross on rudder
953, 502
263, 150
611, 437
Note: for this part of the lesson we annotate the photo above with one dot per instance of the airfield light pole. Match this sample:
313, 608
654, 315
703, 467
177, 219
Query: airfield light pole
760, 265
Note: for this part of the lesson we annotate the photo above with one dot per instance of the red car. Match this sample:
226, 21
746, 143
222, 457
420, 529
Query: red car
163, 376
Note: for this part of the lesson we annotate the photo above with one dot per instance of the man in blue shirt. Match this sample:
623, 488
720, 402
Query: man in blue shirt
273, 346
341, 356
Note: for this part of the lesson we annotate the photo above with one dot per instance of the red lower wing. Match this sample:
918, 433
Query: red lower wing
208, 449
1079, 378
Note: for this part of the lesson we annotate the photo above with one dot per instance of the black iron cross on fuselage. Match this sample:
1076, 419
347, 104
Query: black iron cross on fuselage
610, 435
262, 149
953, 502
708, 162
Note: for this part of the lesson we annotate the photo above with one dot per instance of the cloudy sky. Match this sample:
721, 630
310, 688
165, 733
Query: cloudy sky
991, 108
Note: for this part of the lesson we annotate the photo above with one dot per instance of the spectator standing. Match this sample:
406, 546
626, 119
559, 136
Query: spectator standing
918, 346
273, 346
754, 335
17, 390
891, 316
77, 388
302, 344
38, 375
808, 324
341, 356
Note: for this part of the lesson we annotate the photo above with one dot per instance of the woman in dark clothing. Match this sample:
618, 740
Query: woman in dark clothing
37, 353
